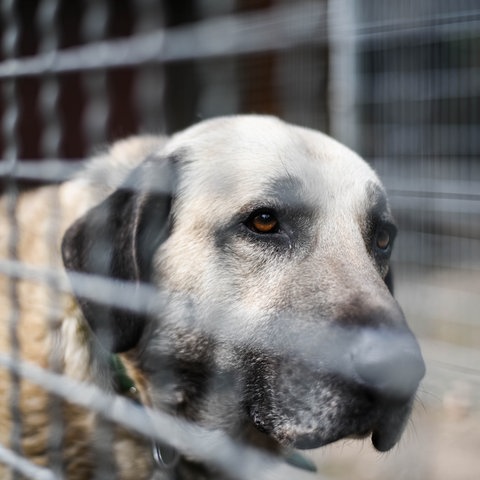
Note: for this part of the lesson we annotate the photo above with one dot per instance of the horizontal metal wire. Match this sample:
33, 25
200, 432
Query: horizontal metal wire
281, 27
454, 188
145, 299
436, 194
188, 438
422, 21
24, 466
423, 85
54, 170
418, 30
58, 170
134, 297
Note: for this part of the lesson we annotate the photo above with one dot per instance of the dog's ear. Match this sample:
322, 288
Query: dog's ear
117, 239
389, 280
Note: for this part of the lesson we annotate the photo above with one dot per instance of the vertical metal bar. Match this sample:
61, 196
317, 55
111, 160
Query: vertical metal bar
94, 28
343, 75
47, 16
9, 127
220, 81
49, 93
150, 81
300, 77
220, 88
97, 110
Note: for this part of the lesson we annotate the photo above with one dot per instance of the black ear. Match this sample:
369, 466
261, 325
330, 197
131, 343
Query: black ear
389, 280
117, 239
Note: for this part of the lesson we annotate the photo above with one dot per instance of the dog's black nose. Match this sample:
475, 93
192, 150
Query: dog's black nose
388, 362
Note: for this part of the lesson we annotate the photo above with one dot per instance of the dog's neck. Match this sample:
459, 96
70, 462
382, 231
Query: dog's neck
164, 456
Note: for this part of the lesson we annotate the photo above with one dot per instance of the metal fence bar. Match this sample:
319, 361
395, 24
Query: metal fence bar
95, 119
150, 81
433, 84
51, 170
213, 446
50, 146
9, 124
440, 214
240, 34
246, 33
343, 92
22, 466
419, 30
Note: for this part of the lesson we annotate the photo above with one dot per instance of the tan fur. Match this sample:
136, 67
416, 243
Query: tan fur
49, 321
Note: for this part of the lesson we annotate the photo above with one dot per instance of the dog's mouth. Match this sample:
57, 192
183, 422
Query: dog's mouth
389, 428
358, 417
384, 435
383, 439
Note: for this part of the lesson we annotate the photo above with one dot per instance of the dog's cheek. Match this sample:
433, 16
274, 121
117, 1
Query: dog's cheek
183, 263
223, 285
259, 281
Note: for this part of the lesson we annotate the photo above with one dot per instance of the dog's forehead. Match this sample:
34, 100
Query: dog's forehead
239, 160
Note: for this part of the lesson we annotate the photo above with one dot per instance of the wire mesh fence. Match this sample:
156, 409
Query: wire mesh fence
395, 81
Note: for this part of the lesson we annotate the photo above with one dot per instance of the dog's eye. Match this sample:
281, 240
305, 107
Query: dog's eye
383, 239
263, 222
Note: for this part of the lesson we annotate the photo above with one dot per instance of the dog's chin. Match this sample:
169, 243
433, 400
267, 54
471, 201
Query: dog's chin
382, 439
385, 430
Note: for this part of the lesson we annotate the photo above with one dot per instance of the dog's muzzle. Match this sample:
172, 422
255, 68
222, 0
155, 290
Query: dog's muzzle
341, 382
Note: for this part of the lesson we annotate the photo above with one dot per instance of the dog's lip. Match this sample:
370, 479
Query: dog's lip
316, 440
385, 432
389, 428
384, 423
383, 440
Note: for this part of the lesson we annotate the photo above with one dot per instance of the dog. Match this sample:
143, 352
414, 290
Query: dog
267, 247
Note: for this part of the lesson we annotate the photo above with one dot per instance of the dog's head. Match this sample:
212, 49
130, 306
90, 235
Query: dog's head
269, 248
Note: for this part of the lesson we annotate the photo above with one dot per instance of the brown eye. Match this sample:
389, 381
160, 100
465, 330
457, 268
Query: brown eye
263, 222
383, 239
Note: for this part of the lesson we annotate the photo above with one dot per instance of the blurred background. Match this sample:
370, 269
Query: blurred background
397, 81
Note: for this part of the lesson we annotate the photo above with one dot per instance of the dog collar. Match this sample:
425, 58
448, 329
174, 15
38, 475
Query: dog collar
123, 384
164, 456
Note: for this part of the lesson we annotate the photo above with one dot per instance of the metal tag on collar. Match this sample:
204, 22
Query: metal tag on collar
164, 456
